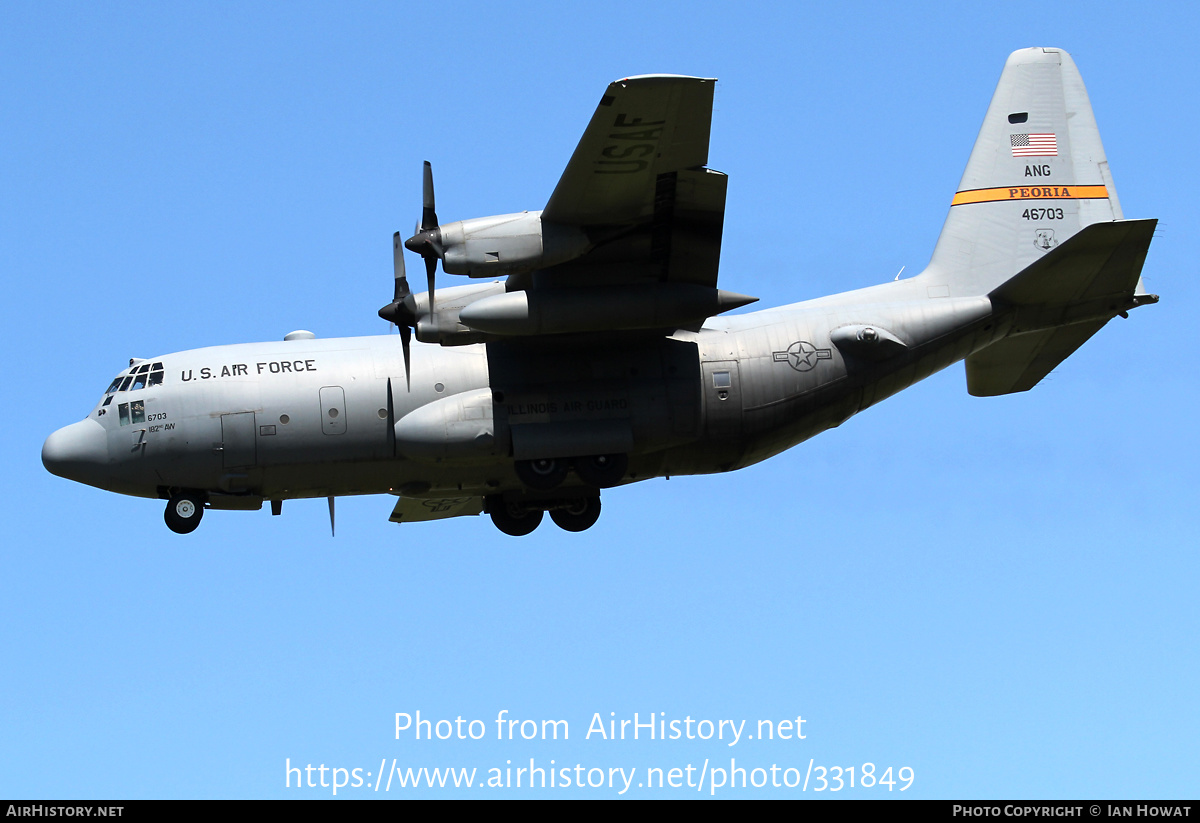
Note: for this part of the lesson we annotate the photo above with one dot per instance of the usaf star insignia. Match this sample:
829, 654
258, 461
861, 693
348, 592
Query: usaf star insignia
802, 355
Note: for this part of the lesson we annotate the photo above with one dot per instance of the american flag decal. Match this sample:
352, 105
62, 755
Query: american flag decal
1034, 145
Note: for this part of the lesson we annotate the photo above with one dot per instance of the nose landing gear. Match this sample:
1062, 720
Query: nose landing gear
184, 512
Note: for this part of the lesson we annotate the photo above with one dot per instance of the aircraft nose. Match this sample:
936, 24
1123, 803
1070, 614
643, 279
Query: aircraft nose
77, 452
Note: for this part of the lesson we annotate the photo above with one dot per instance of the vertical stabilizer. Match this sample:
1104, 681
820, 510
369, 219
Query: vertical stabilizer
1037, 175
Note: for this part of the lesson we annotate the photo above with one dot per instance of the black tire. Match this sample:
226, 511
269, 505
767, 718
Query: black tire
543, 474
183, 513
602, 470
578, 515
516, 520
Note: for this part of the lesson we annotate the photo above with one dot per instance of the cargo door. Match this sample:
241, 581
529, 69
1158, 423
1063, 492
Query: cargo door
237, 440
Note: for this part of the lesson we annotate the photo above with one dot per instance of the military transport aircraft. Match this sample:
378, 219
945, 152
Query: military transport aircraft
600, 358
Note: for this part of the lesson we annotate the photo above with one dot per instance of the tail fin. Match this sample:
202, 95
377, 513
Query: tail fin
1036, 177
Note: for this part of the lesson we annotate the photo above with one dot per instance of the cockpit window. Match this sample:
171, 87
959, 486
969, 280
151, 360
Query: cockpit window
148, 374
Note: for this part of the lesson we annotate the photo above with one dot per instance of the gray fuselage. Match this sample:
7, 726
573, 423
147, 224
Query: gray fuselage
311, 417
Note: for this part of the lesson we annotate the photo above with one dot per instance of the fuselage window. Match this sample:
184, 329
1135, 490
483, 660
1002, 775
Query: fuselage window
107, 400
123, 413
138, 408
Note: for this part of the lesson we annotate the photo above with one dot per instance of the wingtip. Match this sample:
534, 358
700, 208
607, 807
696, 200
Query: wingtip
647, 79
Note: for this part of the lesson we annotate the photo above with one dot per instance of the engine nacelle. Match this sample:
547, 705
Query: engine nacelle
446, 328
598, 308
507, 244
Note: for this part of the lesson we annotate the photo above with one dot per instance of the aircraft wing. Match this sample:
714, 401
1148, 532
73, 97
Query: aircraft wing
630, 239
638, 185
642, 128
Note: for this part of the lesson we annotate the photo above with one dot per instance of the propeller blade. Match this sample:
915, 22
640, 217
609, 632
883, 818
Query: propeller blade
405, 339
391, 421
402, 310
430, 271
428, 213
398, 266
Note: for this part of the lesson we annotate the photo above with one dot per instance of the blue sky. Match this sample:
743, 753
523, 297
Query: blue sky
997, 593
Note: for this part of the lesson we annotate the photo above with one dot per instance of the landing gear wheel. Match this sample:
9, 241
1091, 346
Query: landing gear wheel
515, 520
183, 513
577, 515
602, 470
542, 474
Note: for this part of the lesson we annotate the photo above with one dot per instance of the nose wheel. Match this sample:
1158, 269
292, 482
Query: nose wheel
183, 513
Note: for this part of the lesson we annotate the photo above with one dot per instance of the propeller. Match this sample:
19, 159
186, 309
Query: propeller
427, 242
403, 309
427, 239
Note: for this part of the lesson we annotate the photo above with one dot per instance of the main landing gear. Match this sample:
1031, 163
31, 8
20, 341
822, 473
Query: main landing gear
572, 512
184, 512
519, 518
602, 471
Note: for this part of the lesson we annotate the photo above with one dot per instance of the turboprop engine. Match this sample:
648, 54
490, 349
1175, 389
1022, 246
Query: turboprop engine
507, 244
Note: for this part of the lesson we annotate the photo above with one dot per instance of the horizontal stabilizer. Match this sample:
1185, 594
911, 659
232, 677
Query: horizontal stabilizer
1019, 363
1102, 260
1060, 301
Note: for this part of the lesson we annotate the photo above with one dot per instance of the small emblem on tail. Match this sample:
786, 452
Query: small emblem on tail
1044, 239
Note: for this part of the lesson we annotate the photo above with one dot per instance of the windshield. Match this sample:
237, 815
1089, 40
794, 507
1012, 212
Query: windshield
147, 374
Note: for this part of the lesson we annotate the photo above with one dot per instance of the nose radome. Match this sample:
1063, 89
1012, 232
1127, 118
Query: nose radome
77, 452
